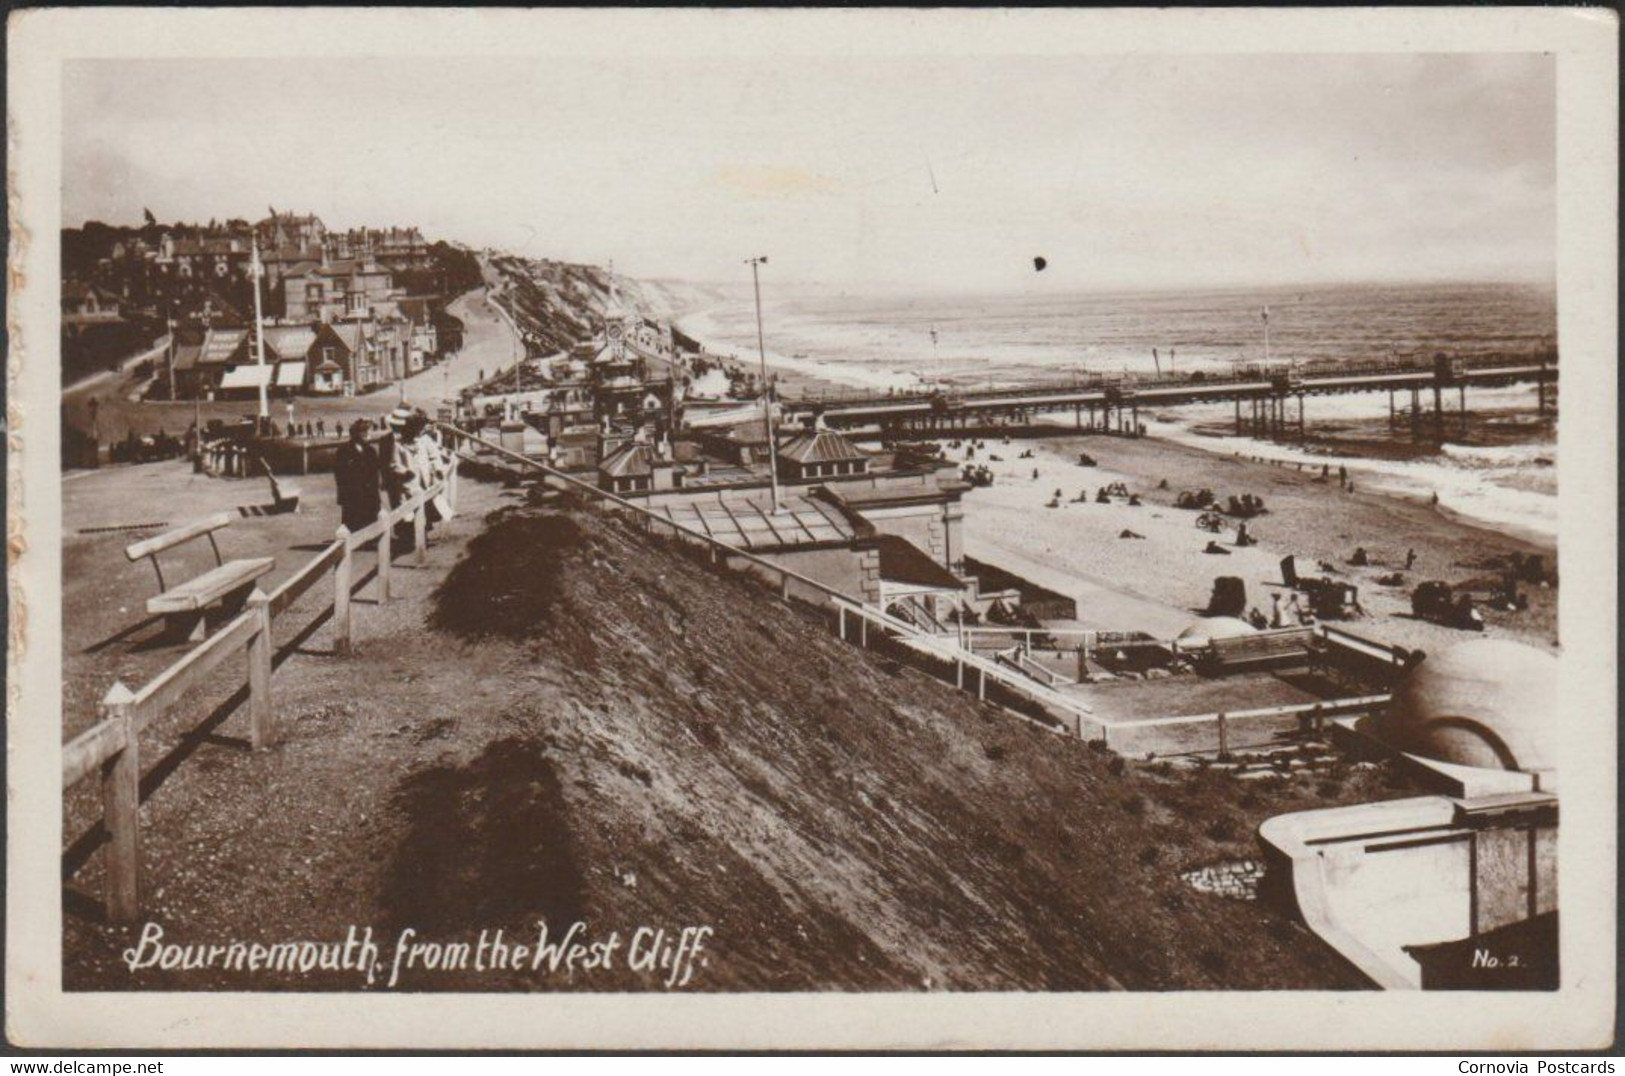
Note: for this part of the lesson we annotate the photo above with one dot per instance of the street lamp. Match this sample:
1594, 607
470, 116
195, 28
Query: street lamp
767, 398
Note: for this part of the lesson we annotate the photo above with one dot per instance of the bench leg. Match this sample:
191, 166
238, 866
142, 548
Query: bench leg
188, 627
194, 627
232, 604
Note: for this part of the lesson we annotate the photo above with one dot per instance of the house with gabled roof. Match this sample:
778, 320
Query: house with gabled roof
820, 453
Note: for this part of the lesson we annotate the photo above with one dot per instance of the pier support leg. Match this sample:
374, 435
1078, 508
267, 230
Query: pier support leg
1391, 417
1238, 416
1300, 419
1438, 411
1463, 397
1135, 431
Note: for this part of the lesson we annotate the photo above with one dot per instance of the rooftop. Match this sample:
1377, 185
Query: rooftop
749, 523
821, 446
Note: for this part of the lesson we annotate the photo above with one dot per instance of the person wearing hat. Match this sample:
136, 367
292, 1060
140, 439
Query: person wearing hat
355, 473
393, 457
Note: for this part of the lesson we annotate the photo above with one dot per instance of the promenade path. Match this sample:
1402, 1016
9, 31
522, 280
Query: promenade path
199, 774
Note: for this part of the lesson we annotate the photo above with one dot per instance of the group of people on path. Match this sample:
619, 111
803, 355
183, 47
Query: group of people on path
408, 459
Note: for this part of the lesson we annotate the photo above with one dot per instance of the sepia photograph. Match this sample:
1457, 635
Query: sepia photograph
864, 507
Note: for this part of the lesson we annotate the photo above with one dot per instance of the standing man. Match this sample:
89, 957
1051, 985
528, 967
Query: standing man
355, 473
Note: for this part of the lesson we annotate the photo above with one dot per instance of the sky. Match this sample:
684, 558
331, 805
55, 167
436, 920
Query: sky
930, 173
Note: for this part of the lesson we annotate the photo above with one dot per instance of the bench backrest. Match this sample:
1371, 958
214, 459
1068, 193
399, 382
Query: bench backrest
1284, 641
151, 547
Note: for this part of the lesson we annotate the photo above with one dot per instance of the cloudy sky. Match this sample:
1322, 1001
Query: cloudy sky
937, 173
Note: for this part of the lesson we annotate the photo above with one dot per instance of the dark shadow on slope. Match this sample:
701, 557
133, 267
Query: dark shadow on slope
511, 579
487, 842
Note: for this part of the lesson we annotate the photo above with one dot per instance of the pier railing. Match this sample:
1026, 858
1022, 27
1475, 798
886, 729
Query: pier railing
111, 747
951, 392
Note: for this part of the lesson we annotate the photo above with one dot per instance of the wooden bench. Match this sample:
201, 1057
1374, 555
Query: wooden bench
221, 590
1282, 646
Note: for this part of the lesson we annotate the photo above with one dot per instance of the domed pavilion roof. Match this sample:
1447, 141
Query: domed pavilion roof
1490, 703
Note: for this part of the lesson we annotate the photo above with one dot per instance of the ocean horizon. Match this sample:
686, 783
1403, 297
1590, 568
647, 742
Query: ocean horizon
881, 342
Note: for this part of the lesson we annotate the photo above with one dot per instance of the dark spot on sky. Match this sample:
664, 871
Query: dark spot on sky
1039, 263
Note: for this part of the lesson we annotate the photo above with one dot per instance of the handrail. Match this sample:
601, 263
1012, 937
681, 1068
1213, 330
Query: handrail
93, 747
1351, 641
112, 745
946, 647
1093, 381
295, 585
1328, 707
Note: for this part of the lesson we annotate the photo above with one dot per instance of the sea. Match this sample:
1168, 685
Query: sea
1499, 471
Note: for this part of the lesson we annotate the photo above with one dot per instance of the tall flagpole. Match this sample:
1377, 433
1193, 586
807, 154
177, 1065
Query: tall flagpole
259, 329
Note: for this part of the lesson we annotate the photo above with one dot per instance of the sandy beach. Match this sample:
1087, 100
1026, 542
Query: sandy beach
1158, 583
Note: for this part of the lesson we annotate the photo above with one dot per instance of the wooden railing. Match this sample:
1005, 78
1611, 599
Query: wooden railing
1079, 717
1314, 714
112, 746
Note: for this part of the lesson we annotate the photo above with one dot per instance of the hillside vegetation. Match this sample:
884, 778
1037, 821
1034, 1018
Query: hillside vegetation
696, 752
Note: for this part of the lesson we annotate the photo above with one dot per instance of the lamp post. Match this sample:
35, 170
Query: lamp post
767, 397
1266, 340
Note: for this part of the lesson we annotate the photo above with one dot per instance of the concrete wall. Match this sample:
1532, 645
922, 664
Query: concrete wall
855, 573
923, 524
1374, 878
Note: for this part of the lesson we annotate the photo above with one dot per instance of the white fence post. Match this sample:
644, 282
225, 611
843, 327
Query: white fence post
121, 812
385, 553
261, 715
343, 580
420, 529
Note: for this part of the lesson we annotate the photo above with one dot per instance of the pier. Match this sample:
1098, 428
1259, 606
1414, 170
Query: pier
1267, 405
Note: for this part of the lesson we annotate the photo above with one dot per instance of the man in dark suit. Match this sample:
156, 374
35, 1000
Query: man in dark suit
356, 474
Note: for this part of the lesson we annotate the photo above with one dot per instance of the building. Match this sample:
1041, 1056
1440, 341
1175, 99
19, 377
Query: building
637, 467
287, 230
87, 304
337, 291
201, 362
343, 364
218, 258
820, 453
291, 347
419, 311
399, 250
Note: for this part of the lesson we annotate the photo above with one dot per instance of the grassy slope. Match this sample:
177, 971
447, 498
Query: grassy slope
593, 727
